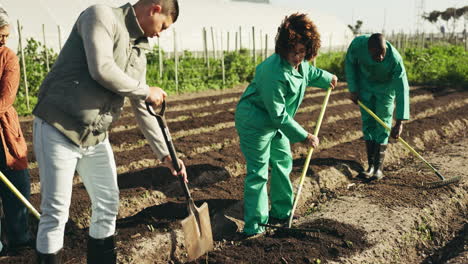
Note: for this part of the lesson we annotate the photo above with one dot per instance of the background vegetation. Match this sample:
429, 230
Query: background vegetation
440, 65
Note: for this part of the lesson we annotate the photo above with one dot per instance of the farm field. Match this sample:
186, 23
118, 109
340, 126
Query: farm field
394, 220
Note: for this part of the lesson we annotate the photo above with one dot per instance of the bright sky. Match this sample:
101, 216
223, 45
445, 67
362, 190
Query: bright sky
376, 14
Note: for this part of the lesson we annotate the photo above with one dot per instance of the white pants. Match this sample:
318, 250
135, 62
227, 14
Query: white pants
58, 158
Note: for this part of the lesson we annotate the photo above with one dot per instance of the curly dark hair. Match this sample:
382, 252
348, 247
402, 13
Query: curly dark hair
297, 28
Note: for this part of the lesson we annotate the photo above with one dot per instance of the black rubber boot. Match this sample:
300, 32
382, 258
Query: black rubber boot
370, 147
378, 161
101, 251
53, 258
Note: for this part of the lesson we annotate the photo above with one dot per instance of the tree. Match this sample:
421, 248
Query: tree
450, 14
357, 28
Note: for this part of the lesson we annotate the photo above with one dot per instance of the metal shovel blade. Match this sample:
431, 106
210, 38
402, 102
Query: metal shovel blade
197, 231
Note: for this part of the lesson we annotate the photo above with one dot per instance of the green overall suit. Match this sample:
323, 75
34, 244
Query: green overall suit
378, 84
266, 128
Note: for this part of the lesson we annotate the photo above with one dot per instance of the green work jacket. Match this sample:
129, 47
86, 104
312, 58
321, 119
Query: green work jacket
271, 101
385, 80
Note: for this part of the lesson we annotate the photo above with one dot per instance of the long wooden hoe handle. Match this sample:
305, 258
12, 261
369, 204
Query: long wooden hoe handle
19, 195
401, 140
309, 155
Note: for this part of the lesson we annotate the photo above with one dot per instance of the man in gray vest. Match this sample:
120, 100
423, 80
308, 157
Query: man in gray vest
102, 62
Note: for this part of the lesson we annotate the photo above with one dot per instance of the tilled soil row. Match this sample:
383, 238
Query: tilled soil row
226, 131
183, 112
329, 133
141, 189
225, 113
145, 156
212, 183
137, 237
336, 244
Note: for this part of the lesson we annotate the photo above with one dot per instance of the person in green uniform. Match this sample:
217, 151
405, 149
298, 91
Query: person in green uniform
376, 76
265, 124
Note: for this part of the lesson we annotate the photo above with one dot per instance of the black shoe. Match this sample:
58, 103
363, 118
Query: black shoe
53, 258
4, 251
14, 250
101, 251
278, 221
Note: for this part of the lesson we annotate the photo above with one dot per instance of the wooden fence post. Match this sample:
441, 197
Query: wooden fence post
160, 57
23, 62
176, 63
213, 43
240, 38
227, 48
253, 45
59, 37
236, 42
207, 56
222, 62
261, 45
45, 48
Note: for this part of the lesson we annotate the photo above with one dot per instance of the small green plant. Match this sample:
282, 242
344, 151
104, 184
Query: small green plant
425, 230
349, 244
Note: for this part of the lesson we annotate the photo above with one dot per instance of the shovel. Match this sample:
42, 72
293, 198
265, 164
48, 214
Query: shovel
309, 156
442, 182
19, 195
196, 226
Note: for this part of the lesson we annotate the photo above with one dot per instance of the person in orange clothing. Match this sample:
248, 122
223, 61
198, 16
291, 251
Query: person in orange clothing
13, 149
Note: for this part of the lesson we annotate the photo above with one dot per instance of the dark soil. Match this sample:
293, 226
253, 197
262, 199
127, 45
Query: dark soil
330, 240
210, 182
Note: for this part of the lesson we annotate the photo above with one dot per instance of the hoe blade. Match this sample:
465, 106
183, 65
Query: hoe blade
441, 183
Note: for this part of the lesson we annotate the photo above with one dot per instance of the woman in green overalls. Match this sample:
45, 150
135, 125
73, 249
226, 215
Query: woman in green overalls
265, 124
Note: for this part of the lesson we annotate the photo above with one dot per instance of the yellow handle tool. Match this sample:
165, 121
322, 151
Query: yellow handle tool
443, 181
309, 155
19, 195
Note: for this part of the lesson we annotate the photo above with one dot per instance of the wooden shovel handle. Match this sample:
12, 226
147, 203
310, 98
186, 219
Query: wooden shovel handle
170, 146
